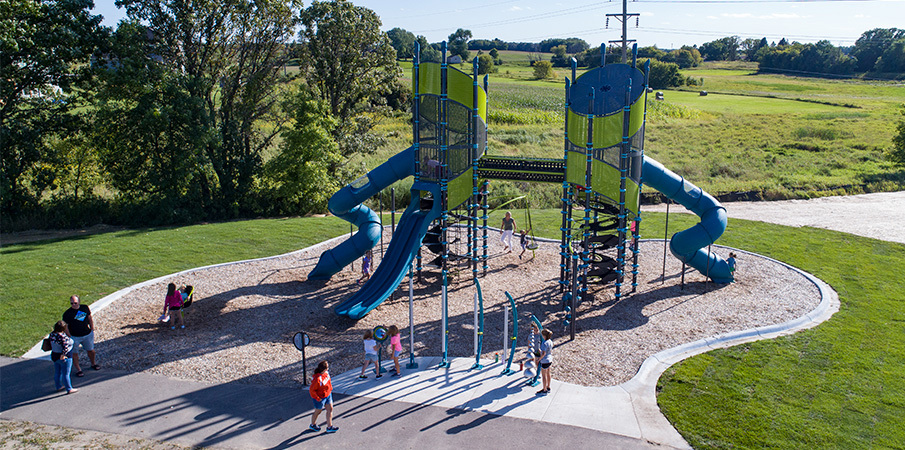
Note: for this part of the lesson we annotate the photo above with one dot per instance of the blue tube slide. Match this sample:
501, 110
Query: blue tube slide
689, 245
406, 241
346, 204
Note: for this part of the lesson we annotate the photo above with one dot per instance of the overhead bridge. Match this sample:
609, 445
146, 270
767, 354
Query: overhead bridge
538, 170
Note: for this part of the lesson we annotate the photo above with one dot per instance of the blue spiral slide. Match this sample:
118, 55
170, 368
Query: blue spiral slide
689, 245
346, 204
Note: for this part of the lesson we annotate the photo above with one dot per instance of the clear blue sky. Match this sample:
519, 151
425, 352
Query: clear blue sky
665, 23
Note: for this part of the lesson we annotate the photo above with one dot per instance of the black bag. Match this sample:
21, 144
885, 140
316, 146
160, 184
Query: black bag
46, 345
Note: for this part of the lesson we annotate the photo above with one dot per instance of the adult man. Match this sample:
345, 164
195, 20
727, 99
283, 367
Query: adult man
81, 327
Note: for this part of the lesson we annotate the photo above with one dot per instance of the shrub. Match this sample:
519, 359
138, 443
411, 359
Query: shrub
543, 70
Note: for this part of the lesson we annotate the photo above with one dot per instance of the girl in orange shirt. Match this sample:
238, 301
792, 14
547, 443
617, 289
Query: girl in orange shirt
321, 391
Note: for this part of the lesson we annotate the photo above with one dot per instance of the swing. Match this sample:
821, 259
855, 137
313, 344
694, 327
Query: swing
532, 242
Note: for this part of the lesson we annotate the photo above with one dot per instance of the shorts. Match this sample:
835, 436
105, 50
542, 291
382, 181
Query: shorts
396, 353
371, 357
86, 341
321, 404
545, 365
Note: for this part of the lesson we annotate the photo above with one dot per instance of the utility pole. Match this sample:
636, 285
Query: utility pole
623, 17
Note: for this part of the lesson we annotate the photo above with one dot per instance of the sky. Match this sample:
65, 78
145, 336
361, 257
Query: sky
667, 24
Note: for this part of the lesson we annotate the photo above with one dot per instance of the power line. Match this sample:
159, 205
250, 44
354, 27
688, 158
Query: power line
540, 16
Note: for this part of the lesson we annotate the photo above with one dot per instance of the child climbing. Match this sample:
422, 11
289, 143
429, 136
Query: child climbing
371, 349
508, 227
395, 347
531, 356
366, 267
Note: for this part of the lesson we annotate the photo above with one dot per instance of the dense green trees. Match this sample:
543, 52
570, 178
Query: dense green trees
872, 44
817, 59
350, 65
45, 52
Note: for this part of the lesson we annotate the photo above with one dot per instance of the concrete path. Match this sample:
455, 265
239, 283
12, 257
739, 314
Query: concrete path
878, 216
256, 417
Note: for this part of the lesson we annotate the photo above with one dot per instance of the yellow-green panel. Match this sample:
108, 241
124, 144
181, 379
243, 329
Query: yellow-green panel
428, 78
460, 189
459, 86
605, 180
607, 129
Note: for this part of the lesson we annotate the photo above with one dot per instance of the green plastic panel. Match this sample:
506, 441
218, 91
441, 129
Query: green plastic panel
460, 189
459, 86
607, 129
604, 180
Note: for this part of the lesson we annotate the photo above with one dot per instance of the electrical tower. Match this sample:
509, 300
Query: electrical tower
623, 17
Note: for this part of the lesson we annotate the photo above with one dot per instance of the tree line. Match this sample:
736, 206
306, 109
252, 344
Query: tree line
880, 51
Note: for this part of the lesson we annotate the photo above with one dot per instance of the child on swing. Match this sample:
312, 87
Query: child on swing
523, 240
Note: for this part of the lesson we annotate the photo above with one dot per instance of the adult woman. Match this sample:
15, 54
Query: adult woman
61, 355
508, 227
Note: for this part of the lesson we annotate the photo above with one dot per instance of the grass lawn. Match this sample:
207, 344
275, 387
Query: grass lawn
840, 385
38, 277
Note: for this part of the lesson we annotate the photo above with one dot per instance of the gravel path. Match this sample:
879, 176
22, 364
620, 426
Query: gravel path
878, 216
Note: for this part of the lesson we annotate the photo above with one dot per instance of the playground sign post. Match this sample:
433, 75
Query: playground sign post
301, 341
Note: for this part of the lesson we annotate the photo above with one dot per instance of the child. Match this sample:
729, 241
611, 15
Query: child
533, 349
173, 304
396, 346
731, 262
371, 349
523, 240
321, 391
366, 267
546, 360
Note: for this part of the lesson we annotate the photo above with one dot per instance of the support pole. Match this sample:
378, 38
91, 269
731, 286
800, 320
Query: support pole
412, 364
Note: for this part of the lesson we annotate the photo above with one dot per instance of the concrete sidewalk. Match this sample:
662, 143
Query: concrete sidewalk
250, 416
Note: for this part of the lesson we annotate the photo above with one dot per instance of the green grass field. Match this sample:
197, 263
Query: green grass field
839, 385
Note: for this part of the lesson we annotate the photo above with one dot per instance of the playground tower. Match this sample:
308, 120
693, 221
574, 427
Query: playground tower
603, 155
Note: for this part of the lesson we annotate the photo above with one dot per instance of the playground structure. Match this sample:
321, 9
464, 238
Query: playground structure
602, 172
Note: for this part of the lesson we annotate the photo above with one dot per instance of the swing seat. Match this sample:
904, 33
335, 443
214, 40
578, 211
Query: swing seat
532, 246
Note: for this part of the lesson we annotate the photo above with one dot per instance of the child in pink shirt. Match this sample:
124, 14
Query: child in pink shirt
396, 346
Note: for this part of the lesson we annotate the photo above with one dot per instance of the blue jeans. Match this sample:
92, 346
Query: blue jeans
61, 369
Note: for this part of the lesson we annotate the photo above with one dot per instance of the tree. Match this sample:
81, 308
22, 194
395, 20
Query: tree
543, 70
559, 58
897, 152
45, 50
150, 131
302, 177
485, 64
458, 43
664, 75
872, 44
350, 64
227, 56
403, 41
893, 58
725, 49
